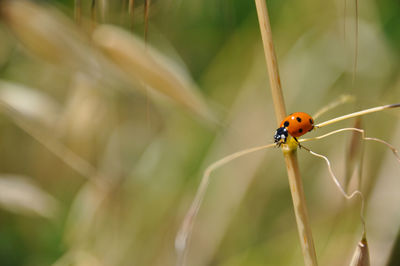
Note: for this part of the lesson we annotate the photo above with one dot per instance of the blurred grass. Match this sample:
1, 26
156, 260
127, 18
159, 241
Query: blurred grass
150, 151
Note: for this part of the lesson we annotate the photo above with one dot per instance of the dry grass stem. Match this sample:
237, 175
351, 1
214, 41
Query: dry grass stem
354, 155
355, 47
340, 187
344, 19
342, 100
300, 208
355, 114
296, 187
183, 237
78, 11
270, 57
93, 13
131, 12
391, 147
336, 181
146, 17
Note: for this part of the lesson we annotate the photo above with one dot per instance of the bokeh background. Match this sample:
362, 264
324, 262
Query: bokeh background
103, 139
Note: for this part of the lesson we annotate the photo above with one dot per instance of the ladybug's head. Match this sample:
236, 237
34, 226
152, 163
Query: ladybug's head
281, 135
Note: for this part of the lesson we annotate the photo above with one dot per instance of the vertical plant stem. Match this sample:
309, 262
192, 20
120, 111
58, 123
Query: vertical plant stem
78, 7
146, 17
131, 12
296, 186
300, 209
93, 13
272, 63
355, 48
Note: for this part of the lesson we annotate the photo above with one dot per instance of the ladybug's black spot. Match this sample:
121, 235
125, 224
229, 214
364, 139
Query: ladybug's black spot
298, 119
300, 130
311, 128
311, 121
286, 124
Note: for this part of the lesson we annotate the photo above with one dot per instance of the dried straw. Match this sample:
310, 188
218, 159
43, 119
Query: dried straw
296, 186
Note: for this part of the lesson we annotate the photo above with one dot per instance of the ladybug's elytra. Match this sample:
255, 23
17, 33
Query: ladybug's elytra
295, 125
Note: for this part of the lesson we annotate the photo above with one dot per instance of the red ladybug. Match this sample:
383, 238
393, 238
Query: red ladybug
295, 125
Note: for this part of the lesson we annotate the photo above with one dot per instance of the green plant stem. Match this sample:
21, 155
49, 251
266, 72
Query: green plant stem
296, 186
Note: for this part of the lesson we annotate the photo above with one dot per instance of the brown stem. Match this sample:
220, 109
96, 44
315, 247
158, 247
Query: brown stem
131, 12
78, 8
93, 13
146, 17
296, 186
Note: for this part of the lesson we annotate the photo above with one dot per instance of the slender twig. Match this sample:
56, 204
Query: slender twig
93, 13
363, 112
146, 17
131, 12
344, 19
296, 186
182, 239
355, 48
78, 8
270, 57
391, 147
146, 28
334, 178
341, 100
340, 187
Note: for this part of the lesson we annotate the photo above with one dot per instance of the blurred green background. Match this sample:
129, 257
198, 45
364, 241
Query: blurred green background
100, 159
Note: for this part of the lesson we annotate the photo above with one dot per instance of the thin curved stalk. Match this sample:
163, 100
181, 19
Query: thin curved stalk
341, 100
391, 147
359, 113
182, 239
340, 187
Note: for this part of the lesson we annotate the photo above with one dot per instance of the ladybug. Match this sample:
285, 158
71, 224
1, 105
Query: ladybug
295, 125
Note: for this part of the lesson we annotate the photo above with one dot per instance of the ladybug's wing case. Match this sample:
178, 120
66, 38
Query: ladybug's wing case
298, 124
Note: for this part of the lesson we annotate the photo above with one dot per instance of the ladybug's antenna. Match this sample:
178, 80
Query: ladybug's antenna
359, 113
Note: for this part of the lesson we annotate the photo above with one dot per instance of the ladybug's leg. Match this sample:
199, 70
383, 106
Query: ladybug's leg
298, 143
